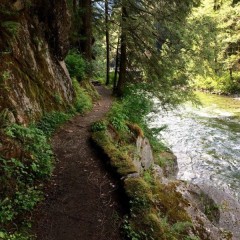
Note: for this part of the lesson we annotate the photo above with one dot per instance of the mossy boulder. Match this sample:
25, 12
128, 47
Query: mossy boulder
144, 156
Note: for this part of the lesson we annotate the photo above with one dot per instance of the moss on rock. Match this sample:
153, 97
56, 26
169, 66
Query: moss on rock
35, 73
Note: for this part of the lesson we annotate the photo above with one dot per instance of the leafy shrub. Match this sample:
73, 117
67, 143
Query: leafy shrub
22, 201
98, 126
7, 212
50, 121
225, 84
20, 177
13, 236
216, 84
129, 232
11, 27
26, 199
83, 101
136, 105
117, 117
35, 142
76, 65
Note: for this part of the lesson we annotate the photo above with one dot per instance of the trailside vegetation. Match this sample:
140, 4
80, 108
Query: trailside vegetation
27, 161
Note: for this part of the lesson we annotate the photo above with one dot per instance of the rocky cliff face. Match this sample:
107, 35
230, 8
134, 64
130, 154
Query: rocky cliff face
33, 44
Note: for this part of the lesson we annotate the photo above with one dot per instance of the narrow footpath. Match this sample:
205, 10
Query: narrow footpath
82, 199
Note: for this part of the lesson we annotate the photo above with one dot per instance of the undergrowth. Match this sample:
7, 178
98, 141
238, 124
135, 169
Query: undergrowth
76, 65
133, 108
83, 100
49, 122
220, 85
22, 171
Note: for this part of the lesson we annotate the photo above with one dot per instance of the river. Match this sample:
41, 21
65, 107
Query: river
206, 141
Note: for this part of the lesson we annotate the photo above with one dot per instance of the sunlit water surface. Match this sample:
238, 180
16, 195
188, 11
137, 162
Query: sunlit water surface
206, 141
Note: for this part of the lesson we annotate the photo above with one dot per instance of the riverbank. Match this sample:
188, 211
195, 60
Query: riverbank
220, 102
227, 94
160, 207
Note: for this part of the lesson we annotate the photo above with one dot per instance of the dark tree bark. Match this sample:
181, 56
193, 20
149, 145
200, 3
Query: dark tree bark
107, 43
231, 74
86, 39
116, 68
74, 6
123, 56
216, 7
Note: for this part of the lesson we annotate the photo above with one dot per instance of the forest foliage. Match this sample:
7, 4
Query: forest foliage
212, 39
169, 47
140, 42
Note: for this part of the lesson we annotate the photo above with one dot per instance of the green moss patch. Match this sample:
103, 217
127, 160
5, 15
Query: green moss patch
119, 159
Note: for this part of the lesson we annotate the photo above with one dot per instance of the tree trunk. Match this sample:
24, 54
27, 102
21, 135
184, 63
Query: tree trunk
216, 70
231, 74
116, 68
85, 43
107, 43
74, 6
123, 56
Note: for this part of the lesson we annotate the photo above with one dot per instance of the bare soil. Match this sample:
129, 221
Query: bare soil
83, 198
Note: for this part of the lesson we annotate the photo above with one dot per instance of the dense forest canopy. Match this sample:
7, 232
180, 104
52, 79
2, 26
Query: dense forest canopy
144, 39
212, 37
166, 47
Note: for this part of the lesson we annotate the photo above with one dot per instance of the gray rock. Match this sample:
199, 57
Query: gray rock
143, 159
229, 209
195, 201
133, 175
214, 213
11, 117
171, 167
158, 172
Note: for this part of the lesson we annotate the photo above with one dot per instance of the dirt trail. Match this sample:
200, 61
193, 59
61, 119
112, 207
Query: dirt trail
82, 198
